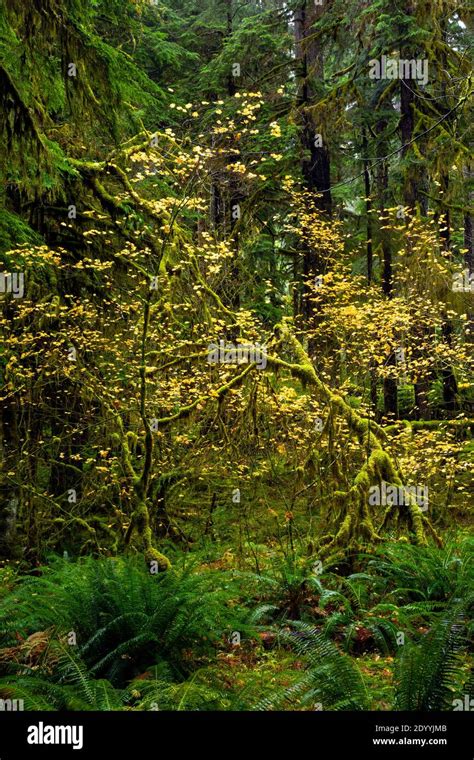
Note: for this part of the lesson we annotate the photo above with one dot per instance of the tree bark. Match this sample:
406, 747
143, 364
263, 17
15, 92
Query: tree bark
315, 162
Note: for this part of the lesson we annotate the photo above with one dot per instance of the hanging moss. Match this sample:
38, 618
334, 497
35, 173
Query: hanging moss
14, 232
357, 522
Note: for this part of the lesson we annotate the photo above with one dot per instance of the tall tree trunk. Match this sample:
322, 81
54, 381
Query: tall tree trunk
468, 243
390, 391
469, 251
448, 378
412, 178
369, 250
235, 196
315, 162
368, 205
450, 386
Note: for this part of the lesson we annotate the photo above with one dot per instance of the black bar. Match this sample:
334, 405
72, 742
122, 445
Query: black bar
135, 734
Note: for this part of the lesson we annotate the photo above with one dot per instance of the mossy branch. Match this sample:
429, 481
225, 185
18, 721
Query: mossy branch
357, 523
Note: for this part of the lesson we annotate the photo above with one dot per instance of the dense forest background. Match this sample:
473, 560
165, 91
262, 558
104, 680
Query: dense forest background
236, 317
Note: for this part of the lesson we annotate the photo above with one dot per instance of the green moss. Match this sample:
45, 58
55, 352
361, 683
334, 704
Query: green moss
153, 555
14, 232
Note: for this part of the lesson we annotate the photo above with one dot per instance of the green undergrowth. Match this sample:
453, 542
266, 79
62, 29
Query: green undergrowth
109, 634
